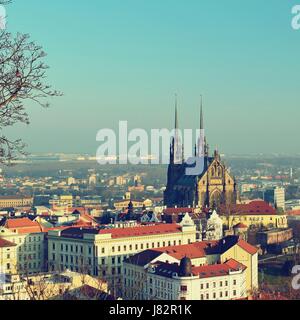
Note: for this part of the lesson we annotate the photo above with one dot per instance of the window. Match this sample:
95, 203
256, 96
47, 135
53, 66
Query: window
234, 293
234, 282
53, 246
183, 288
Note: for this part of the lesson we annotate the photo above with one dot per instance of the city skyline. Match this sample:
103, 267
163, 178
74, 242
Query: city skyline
126, 61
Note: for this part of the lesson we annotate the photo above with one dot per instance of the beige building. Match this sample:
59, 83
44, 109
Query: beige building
8, 257
101, 252
254, 214
30, 244
15, 202
216, 270
123, 205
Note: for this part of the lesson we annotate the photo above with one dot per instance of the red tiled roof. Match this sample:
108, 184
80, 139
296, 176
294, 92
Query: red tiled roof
294, 213
247, 247
218, 270
240, 226
193, 250
23, 225
142, 230
178, 210
6, 244
252, 208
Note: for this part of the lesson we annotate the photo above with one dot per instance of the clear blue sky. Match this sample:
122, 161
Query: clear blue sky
125, 59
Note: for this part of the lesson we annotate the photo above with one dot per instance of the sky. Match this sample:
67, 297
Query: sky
125, 59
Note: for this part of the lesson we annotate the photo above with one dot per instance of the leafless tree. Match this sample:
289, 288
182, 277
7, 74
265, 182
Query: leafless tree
22, 79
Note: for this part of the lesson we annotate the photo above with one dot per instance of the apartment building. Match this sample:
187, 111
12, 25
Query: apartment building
29, 239
162, 279
205, 258
8, 257
101, 252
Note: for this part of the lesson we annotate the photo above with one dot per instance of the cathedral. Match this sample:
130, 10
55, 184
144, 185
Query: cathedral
213, 187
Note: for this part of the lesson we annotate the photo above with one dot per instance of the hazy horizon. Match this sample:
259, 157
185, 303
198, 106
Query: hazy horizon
124, 60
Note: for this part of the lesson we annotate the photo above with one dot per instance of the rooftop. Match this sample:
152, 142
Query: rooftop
23, 225
252, 208
210, 271
148, 230
6, 244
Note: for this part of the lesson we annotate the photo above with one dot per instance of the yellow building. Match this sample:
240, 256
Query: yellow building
247, 255
29, 239
123, 205
255, 213
8, 257
15, 202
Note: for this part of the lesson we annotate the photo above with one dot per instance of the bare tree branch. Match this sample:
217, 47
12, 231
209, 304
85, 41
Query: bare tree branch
22, 79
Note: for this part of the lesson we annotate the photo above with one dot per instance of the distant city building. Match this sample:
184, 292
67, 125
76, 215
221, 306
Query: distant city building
93, 179
71, 181
120, 181
123, 204
15, 202
279, 198
67, 201
276, 197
